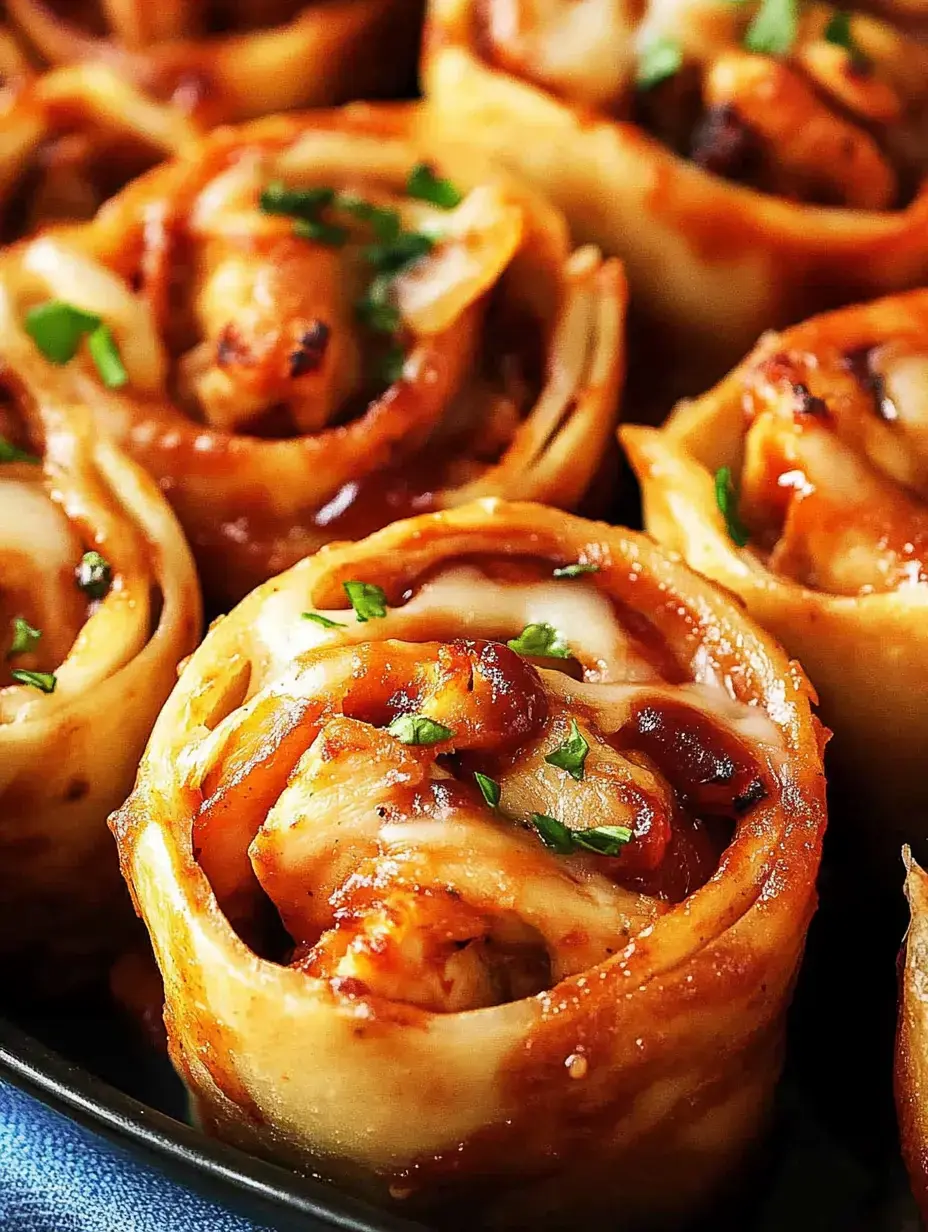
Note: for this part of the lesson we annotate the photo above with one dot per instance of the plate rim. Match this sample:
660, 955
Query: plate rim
221, 1172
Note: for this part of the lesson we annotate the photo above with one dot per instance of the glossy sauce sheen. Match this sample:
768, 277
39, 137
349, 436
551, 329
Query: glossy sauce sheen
391, 908
277, 406
835, 477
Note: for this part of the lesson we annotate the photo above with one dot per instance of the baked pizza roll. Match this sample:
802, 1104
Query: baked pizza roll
235, 60
752, 163
72, 137
323, 324
799, 482
477, 858
911, 1071
98, 604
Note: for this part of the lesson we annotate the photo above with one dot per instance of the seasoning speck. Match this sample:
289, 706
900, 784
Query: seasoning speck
577, 1065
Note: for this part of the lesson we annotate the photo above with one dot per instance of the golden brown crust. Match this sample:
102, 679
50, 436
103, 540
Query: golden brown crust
72, 137
69, 756
712, 262
513, 393
911, 1079
582, 1098
265, 58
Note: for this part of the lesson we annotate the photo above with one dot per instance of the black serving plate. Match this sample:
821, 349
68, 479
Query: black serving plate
830, 1164
155, 1131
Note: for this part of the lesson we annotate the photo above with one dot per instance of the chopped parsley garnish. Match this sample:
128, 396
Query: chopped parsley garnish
408, 247
43, 681
774, 28
319, 619
105, 354
320, 232
94, 575
727, 502
375, 309
571, 755
369, 601
660, 60
57, 328
12, 453
304, 205
489, 789
392, 364
385, 223
572, 571
602, 840
294, 202
425, 185
394, 251
838, 31
540, 641
24, 637
418, 729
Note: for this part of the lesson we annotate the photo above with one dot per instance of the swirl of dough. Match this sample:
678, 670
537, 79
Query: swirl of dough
497, 801
324, 326
98, 604
751, 163
817, 447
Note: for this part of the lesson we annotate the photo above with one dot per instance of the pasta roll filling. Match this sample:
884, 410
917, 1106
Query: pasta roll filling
455, 824
70, 615
833, 480
471, 806
806, 103
307, 330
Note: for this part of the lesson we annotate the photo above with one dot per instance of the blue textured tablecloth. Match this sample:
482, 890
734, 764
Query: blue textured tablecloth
56, 1176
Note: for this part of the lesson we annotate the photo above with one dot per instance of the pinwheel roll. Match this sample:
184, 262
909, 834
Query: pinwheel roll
800, 483
478, 858
911, 1072
320, 325
235, 60
751, 163
98, 603
72, 137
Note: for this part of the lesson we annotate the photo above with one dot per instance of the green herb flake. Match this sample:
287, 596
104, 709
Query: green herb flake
369, 601
43, 681
570, 755
774, 28
294, 202
405, 250
57, 328
572, 571
320, 232
12, 453
425, 185
375, 309
727, 502
489, 789
94, 575
392, 364
418, 729
838, 31
553, 833
106, 357
601, 840
319, 619
659, 61
540, 641
385, 223
25, 637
